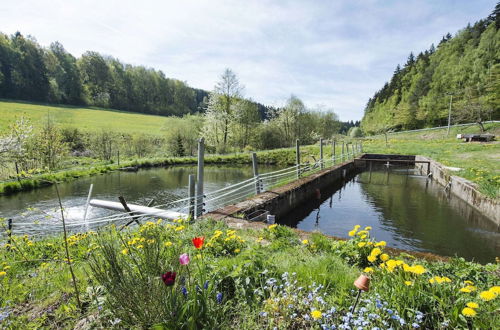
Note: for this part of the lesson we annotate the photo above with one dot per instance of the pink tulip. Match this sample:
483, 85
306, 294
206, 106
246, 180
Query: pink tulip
184, 259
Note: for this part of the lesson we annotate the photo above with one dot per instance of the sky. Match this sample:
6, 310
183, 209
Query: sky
331, 54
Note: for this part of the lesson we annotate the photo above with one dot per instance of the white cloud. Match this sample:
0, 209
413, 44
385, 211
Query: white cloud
332, 53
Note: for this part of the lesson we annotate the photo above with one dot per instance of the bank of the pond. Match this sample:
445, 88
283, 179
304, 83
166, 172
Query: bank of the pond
256, 278
269, 157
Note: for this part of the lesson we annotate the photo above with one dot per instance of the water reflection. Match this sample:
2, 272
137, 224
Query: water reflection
404, 209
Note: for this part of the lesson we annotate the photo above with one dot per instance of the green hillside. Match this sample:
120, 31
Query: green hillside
463, 70
85, 118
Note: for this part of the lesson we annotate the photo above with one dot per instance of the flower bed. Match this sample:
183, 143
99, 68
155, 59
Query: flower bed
207, 275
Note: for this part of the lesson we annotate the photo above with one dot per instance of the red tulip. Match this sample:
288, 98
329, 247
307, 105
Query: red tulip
168, 278
198, 242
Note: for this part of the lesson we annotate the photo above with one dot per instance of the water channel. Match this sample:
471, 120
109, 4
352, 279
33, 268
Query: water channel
41, 206
405, 210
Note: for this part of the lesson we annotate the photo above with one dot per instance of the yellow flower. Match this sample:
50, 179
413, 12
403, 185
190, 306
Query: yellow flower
125, 251
6, 268
368, 270
495, 290
273, 226
371, 258
357, 227
384, 257
376, 251
237, 251
487, 295
151, 241
260, 239
352, 233
305, 242
362, 232
316, 314
473, 305
361, 244
418, 269
469, 282
140, 246
167, 244
468, 289
469, 312
368, 228
381, 243
363, 236
408, 283
179, 228
3, 273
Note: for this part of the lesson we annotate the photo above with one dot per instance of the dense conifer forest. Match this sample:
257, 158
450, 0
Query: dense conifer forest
461, 72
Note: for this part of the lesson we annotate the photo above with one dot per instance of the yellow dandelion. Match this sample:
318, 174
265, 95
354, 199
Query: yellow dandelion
352, 233
468, 289
125, 251
237, 251
316, 314
473, 305
384, 257
3, 273
179, 228
408, 283
368, 270
140, 246
495, 289
363, 236
167, 244
487, 295
305, 242
376, 251
469, 312
469, 282
381, 243
361, 244
368, 228
272, 226
371, 258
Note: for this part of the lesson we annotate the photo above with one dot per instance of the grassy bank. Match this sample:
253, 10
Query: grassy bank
157, 276
478, 162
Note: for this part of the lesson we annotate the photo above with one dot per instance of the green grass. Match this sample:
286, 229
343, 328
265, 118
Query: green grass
479, 162
85, 118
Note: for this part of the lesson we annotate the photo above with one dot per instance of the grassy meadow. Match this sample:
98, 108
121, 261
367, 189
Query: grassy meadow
85, 118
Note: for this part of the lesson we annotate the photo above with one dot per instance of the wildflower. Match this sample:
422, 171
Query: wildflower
205, 286
473, 305
219, 297
469, 312
368, 270
371, 258
169, 278
167, 244
361, 244
363, 236
368, 228
125, 251
184, 259
381, 243
305, 242
316, 314
184, 291
384, 257
140, 246
408, 283
487, 295
469, 282
150, 241
495, 290
2, 273
376, 251
198, 242
352, 233
468, 289
273, 226
357, 227
237, 251
260, 239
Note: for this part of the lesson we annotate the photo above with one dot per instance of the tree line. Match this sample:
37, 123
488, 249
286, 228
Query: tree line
32, 73
462, 74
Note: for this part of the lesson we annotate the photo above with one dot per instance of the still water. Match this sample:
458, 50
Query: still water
40, 206
405, 210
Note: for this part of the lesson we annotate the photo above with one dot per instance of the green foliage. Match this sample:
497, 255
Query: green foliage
419, 94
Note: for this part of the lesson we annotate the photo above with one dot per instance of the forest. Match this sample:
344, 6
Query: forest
460, 75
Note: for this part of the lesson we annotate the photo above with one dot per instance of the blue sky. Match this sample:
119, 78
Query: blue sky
335, 54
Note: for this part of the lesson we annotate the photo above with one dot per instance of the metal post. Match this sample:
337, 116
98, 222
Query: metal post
88, 202
191, 191
9, 231
342, 157
449, 116
297, 157
333, 152
118, 152
321, 153
256, 173
199, 178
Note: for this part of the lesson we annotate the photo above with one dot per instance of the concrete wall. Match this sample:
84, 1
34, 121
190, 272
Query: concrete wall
462, 188
281, 200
